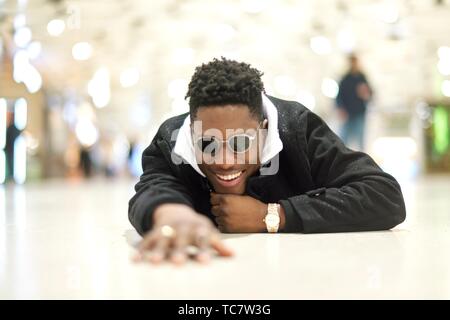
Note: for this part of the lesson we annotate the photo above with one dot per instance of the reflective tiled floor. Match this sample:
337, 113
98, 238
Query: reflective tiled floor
73, 240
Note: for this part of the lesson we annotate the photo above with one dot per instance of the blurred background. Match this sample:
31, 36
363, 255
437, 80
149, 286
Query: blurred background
84, 85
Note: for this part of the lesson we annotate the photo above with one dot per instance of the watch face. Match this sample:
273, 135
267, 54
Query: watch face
272, 220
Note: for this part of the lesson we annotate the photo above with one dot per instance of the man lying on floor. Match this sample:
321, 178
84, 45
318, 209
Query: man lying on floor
242, 162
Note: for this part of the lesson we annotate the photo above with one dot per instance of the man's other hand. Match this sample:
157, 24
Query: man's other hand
238, 213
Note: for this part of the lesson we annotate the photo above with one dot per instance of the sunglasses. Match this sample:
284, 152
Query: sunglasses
237, 143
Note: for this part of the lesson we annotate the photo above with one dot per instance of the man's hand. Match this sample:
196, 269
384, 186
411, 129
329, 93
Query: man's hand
363, 91
342, 114
236, 213
177, 226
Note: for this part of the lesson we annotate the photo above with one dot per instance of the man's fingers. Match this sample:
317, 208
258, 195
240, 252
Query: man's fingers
216, 211
160, 250
180, 243
215, 198
148, 241
144, 246
221, 248
220, 221
202, 242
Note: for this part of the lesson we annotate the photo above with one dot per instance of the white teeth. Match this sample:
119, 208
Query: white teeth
229, 176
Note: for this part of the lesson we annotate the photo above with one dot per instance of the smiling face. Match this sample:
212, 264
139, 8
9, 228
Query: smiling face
228, 171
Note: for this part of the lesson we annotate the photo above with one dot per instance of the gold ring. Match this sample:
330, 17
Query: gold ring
167, 231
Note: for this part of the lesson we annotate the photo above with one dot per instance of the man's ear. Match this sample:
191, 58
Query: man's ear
265, 124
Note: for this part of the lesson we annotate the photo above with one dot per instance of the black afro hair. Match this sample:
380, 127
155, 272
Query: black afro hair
222, 82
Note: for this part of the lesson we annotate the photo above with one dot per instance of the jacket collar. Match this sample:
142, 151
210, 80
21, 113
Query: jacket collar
184, 146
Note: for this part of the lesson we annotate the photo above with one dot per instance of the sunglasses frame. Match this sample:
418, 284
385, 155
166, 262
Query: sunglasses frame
251, 138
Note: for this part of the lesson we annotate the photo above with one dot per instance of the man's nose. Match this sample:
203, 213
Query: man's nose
226, 157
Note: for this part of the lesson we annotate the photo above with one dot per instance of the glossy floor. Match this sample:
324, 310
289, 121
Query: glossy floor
73, 241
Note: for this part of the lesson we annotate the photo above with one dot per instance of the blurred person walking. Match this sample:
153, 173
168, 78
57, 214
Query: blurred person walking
12, 133
352, 99
85, 161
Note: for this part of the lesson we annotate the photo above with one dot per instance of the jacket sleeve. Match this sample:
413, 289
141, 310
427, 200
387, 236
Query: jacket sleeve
157, 185
352, 193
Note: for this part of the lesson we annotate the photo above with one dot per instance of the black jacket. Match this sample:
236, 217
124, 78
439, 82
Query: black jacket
322, 185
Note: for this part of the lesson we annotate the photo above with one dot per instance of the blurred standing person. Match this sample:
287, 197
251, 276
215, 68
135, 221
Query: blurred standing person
114, 154
85, 161
354, 94
108, 156
130, 155
12, 133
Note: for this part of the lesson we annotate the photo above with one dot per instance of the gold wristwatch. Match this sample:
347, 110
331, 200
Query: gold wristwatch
272, 219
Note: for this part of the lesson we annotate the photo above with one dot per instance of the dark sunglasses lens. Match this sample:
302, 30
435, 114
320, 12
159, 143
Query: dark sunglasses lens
208, 146
239, 143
